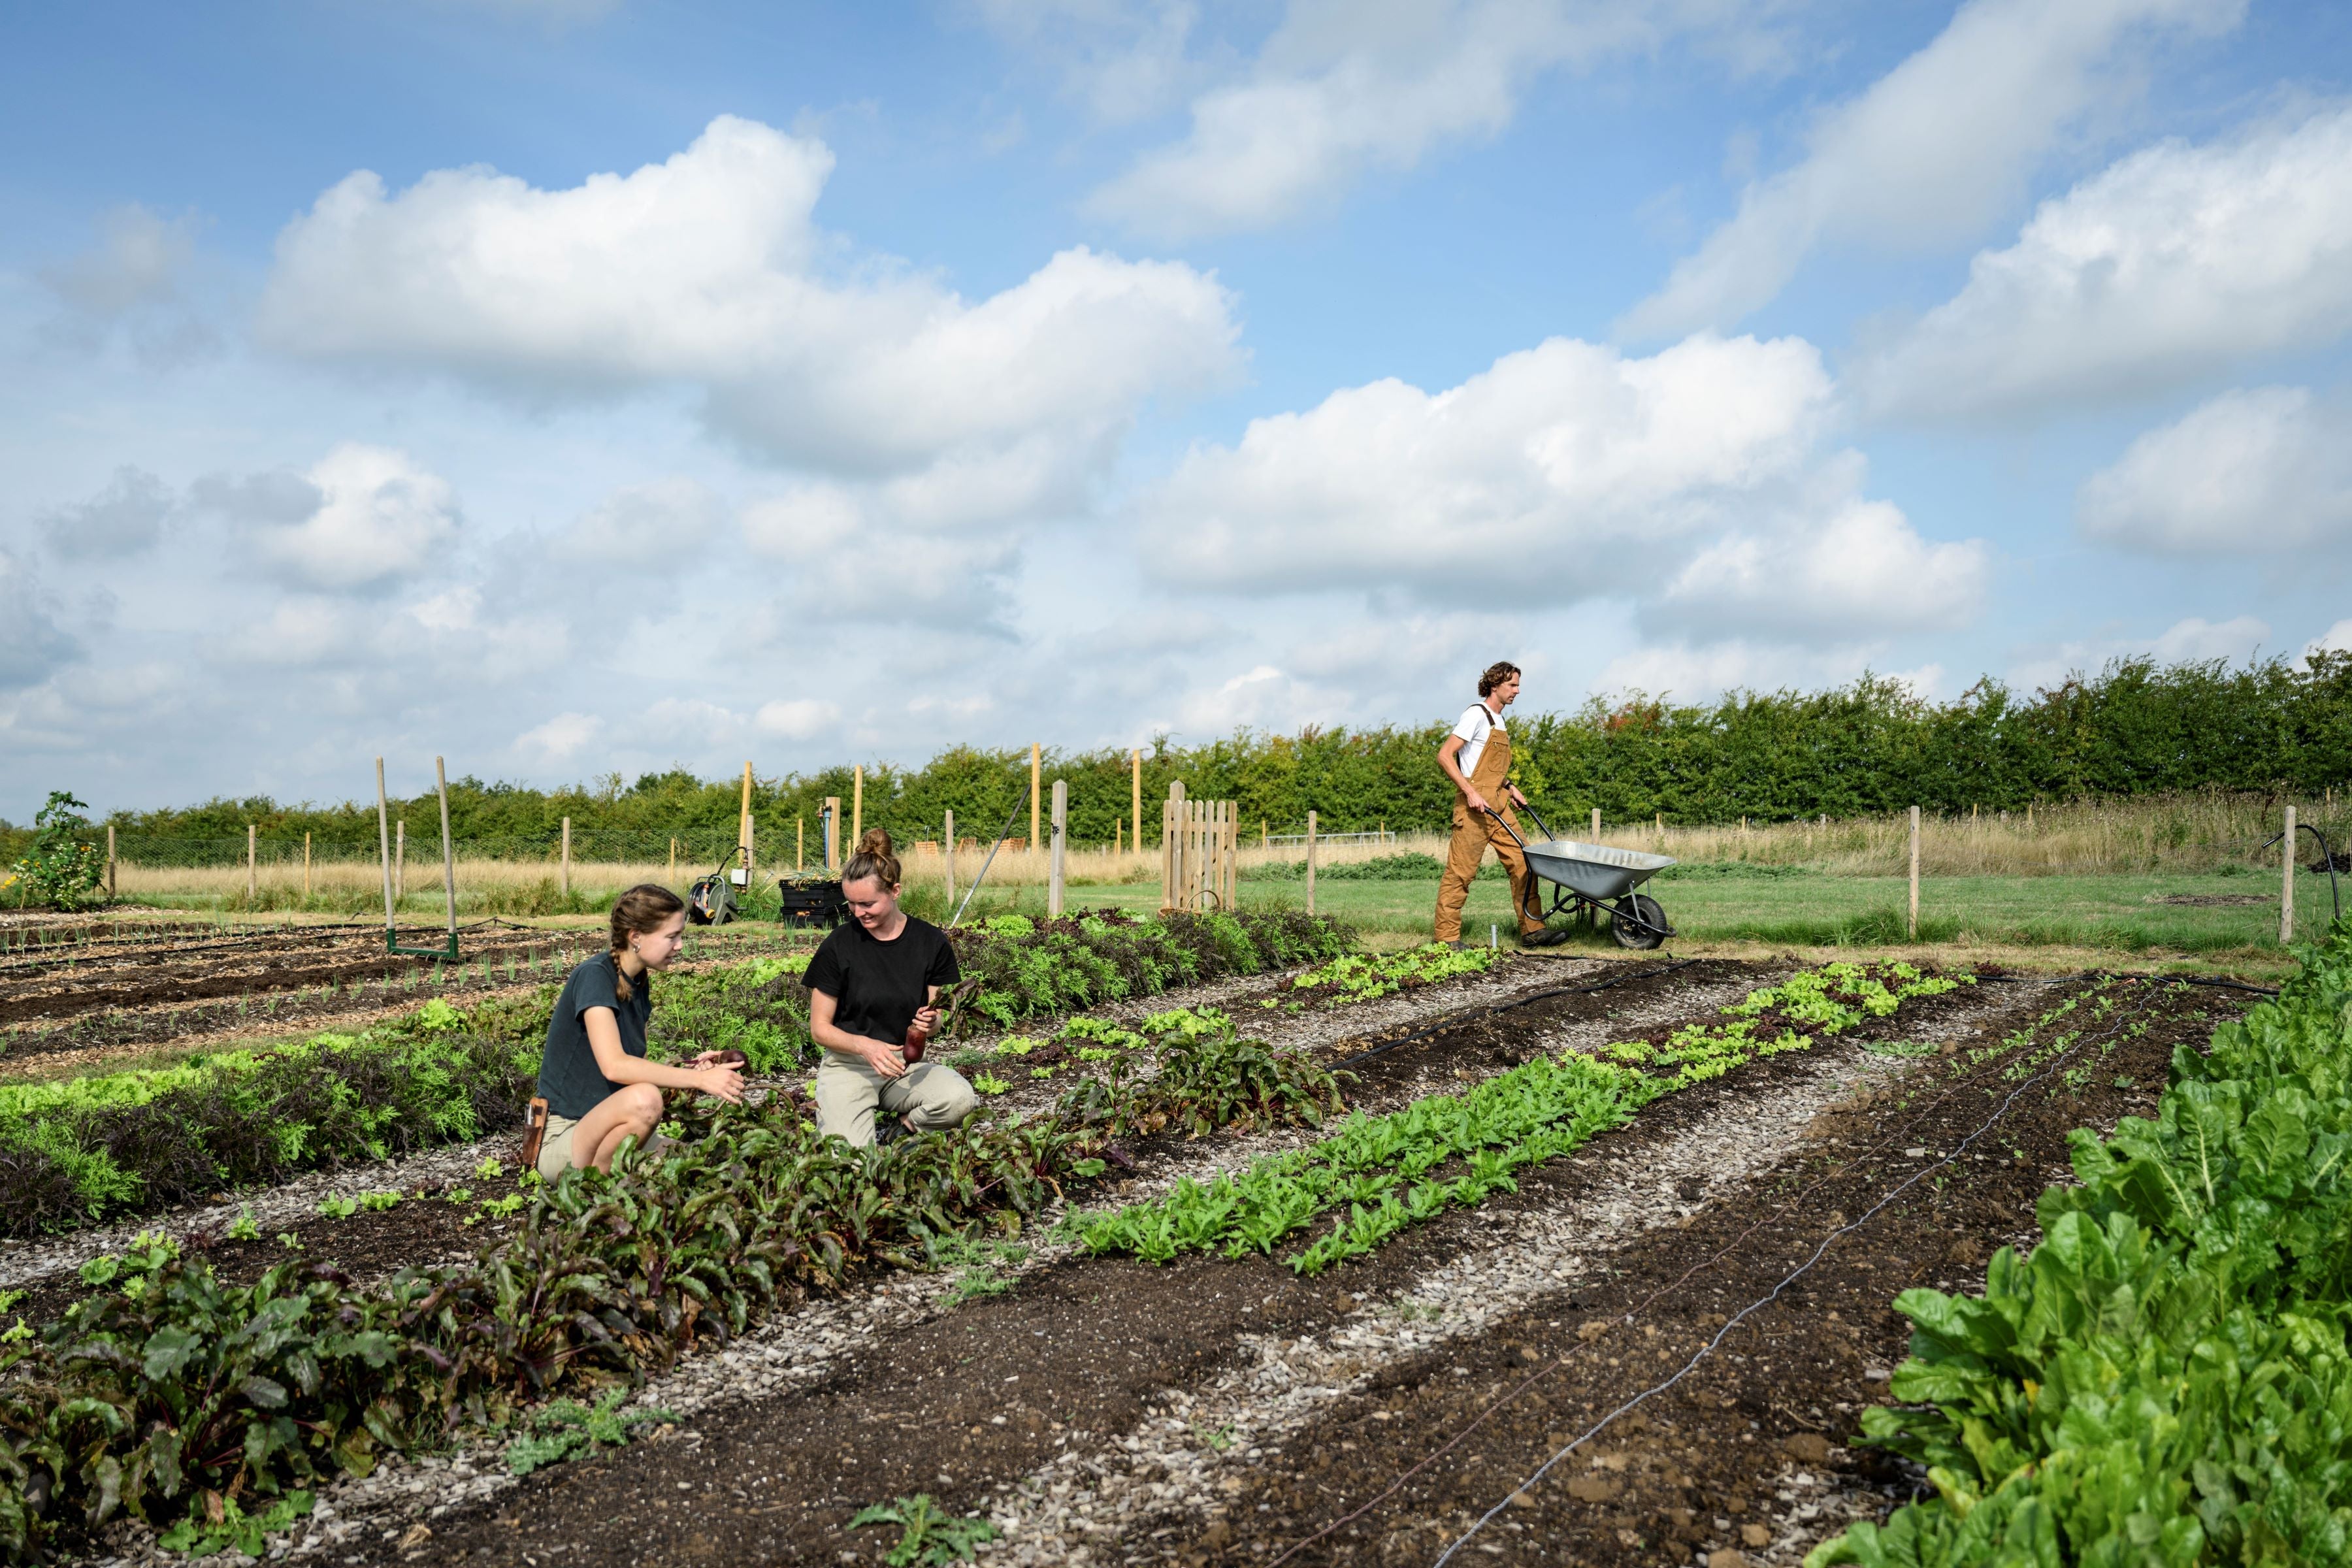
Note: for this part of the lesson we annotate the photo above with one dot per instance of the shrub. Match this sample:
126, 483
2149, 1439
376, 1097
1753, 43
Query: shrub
62, 867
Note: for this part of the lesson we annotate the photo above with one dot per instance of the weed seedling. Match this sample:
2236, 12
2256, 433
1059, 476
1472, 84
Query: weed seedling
929, 1536
566, 1427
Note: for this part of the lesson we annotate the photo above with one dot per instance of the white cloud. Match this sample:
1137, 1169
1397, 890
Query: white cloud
34, 642
650, 527
1345, 87
2174, 262
1932, 152
1862, 570
706, 270
363, 517
795, 718
560, 738
1696, 672
2252, 471
1564, 473
2192, 640
2337, 638
1123, 61
124, 519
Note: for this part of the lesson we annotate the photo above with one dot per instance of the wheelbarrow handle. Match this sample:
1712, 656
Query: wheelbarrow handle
1511, 830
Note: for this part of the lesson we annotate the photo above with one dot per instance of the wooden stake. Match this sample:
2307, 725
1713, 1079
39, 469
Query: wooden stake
856, 806
673, 858
1035, 802
800, 844
449, 849
565, 885
1596, 824
1054, 868
1310, 862
1116, 828
2286, 881
1914, 927
1171, 848
305, 864
383, 849
1135, 784
110, 859
1265, 840
252, 869
400, 859
947, 847
743, 830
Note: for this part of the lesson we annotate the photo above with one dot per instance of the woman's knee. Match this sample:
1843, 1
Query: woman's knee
641, 1104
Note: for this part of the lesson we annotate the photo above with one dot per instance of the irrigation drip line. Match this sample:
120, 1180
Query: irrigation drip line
1886, 1142
1473, 1014
1819, 1252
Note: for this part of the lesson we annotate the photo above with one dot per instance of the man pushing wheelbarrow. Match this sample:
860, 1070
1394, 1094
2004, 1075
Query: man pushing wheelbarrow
1477, 757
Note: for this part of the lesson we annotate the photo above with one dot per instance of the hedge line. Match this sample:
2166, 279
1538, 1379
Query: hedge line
2136, 728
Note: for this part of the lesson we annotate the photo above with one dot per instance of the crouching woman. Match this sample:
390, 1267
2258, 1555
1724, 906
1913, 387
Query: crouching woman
597, 1083
875, 976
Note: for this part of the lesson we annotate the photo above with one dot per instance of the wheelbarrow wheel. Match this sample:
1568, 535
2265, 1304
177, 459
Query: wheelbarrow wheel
1630, 931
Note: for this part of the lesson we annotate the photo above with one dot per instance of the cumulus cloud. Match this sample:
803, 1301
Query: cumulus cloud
2256, 470
795, 717
1345, 87
1932, 152
1123, 61
2192, 640
559, 739
1697, 671
124, 519
708, 272
652, 527
33, 641
362, 517
2337, 638
2175, 261
1566, 473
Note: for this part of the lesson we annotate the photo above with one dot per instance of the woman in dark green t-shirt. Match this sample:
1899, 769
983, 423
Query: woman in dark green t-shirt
594, 1077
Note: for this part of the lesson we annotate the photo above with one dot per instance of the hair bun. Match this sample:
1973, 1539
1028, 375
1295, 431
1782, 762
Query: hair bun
876, 842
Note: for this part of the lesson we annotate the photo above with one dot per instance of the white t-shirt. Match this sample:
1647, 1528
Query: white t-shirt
1477, 723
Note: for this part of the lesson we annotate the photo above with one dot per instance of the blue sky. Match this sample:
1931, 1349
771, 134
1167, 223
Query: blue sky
577, 387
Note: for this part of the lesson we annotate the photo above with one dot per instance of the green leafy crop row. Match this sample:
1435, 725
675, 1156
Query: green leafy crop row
2165, 1379
1362, 976
172, 1394
1018, 968
1388, 1172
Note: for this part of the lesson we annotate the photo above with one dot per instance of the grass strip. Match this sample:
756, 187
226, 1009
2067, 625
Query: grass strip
1381, 1170
2165, 1379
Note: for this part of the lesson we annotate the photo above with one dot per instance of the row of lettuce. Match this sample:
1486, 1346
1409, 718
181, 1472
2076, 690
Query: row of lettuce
2165, 1379
81, 1150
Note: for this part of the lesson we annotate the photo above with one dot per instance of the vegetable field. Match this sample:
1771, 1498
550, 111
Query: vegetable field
1264, 1249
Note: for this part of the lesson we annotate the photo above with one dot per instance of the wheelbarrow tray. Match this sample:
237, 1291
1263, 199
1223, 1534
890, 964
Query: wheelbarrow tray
1596, 871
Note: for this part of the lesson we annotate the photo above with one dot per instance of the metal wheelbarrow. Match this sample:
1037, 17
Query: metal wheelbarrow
1595, 879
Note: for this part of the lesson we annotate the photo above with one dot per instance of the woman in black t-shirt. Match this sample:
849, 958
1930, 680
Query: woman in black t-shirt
594, 1077
874, 980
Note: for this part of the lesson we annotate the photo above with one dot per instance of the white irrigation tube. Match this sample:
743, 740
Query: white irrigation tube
1000, 835
1759, 1305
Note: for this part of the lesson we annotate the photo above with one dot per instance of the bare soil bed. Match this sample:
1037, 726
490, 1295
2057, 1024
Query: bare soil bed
1749, 1233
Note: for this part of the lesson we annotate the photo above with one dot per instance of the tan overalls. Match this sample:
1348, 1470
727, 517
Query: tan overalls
1472, 838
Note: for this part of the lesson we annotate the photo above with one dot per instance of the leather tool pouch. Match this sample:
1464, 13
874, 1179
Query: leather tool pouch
534, 1134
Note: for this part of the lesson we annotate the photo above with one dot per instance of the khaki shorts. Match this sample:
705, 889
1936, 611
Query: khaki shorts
556, 1148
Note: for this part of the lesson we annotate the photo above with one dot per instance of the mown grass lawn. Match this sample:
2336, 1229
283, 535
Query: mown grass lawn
1796, 907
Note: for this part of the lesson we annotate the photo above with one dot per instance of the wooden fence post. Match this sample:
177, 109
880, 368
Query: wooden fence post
565, 886
1596, 824
400, 859
2286, 879
946, 845
1172, 847
673, 857
253, 867
1035, 802
1118, 826
743, 831
110, 859
1135, 783
1054, 868
1310, 862
1913, 929
856, 806
305, 864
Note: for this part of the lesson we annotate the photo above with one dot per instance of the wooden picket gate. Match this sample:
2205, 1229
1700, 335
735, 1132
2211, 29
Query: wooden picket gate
1199, 849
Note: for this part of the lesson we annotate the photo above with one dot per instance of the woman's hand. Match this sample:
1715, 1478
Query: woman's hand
721, 1081
927, 1018
884, 1058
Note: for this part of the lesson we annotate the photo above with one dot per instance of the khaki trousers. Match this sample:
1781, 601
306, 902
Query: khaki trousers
848, 1093
1472, 839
